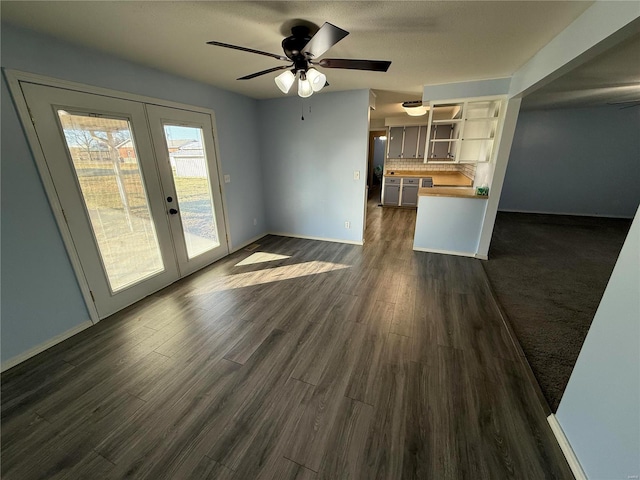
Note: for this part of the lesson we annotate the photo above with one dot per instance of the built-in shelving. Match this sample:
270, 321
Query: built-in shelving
473, 126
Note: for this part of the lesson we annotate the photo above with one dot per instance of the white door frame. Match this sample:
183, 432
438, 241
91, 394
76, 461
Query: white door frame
14, 77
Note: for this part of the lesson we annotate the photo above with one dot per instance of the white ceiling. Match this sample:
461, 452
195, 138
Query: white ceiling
613, 76
428, 42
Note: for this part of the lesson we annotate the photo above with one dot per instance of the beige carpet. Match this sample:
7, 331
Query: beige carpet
549, 273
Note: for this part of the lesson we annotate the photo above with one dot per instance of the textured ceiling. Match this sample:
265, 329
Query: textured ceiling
613, 76
428, 42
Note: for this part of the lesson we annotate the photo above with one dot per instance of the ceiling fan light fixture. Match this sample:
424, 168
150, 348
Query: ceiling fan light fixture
317, 79
414, 108
304, 86
285, 80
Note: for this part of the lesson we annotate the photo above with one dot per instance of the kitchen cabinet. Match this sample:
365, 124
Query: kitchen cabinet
400, 192
407, 141
409, 195
410, 143
391, 195
396, 137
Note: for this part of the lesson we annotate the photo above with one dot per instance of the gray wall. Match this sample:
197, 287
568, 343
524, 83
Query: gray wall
309, 165
600, 409
582, 161
40, 296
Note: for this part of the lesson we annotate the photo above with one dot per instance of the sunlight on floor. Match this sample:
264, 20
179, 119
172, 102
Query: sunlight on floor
277, 274
260, 257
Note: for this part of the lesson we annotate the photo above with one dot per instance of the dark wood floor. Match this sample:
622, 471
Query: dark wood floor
318, 361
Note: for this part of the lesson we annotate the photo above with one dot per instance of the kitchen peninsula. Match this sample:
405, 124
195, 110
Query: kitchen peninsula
438, 165
449, 220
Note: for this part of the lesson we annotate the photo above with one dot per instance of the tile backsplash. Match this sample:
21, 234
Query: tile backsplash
467, 169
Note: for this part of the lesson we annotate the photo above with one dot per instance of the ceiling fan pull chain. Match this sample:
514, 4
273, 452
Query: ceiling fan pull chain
302, 109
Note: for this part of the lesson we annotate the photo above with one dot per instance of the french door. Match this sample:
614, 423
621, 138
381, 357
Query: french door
138, 185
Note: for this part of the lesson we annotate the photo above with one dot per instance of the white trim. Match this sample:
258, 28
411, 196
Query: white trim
32, 352
565, 446
568, 214
501, 153
322, 239
17, 75
223, 193
481, 257
446, 252
247, 242
13, 81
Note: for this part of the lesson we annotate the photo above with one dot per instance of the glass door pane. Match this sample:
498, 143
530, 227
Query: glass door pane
105, 161
189, 168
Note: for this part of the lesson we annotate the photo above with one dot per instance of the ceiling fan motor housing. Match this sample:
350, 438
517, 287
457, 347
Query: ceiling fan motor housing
294, 44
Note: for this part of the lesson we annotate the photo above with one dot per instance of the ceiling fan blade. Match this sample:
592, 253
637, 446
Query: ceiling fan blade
373, 65
250, 50
324, 39
264, 72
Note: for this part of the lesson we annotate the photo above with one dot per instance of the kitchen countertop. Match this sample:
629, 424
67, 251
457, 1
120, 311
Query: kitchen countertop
440, 178
450, 192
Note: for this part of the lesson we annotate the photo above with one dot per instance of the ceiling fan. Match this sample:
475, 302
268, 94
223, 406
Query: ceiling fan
301, 51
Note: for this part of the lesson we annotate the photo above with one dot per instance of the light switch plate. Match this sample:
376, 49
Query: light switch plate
227, 179
356, 174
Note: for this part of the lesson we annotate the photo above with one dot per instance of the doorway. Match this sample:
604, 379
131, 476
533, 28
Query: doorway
138, 186
377, 152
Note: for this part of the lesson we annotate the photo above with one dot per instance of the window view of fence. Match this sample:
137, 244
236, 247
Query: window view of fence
191, 178
103, 156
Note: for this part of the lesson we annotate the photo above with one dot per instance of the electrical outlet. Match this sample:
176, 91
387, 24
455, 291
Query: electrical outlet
347, 224
227, 179
356, 174
255, 221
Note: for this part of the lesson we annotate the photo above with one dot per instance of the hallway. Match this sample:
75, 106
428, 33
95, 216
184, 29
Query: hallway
298, 359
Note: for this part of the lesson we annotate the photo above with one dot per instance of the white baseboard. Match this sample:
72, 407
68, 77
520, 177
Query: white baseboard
322, 239
569, 214
445, 252
248, 242
32, 352
565, 446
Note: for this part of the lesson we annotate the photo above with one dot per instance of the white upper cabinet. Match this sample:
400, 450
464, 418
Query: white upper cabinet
463, 131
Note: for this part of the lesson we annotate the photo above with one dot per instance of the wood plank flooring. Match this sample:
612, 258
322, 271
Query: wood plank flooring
299, 360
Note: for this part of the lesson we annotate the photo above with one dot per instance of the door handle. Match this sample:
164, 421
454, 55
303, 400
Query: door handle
173, 211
